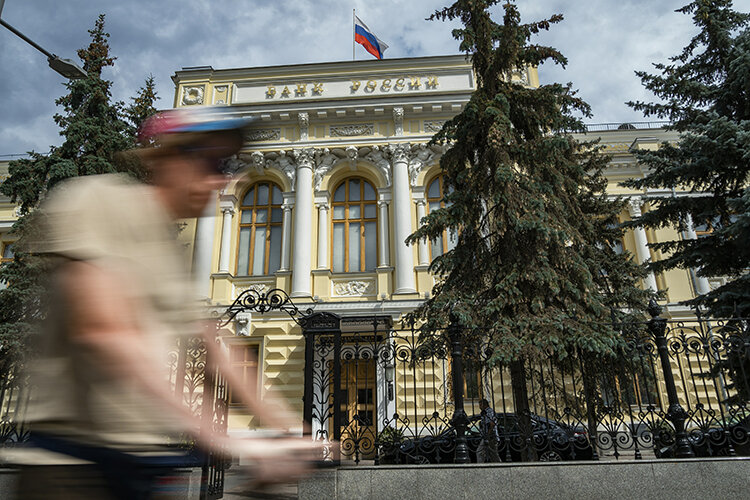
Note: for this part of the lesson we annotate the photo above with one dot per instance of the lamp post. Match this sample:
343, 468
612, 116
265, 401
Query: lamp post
65, 67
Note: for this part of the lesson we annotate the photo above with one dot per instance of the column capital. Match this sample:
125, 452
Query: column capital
383, 203
305, 158
227, 202
399, 152
421, 202
322, 205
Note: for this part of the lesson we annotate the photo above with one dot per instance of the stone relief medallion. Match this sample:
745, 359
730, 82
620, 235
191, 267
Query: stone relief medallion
353, 288
192, 95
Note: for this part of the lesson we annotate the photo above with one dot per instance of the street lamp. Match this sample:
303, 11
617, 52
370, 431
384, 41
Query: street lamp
65, 67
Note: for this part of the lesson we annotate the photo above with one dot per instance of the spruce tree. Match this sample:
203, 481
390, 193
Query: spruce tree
533, 262
94, 131
705, 93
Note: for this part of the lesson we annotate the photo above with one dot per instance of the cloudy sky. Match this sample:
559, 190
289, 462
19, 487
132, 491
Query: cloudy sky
604, 41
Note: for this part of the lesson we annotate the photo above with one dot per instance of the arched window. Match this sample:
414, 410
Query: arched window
355, 227
259, 249
435, 193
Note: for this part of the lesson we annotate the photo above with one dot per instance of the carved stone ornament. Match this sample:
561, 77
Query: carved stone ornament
634, 206
283, 162
398, 120
305, 157
400, 151
434, 126
354, 288
260, 288
242, 322
379, 157
352, 130
304, 122
192, 95
422, 156
324, 162
271, 134
233, 165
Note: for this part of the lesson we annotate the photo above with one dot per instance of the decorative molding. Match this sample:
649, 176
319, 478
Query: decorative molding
193, 95
352, 130
282, 161
398, 121
434, 126
269, 134
354, 288
352, 153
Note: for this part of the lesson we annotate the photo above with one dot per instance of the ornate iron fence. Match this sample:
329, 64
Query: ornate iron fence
392, 395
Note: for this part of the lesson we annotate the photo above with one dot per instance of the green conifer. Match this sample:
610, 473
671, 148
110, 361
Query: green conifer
94, 131
705, 93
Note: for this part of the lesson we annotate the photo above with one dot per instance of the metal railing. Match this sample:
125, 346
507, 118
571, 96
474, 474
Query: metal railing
602, 127
676, 389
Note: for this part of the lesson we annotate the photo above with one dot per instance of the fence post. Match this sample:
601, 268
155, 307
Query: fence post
657, 326
460, 421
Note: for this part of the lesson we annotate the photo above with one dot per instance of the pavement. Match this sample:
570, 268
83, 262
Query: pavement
237, 486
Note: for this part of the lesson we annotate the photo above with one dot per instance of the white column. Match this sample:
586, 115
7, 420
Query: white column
641, 242
402, 227
323, 258
286, 232
702, 286
203, 250
424, 250
384, 247
301, 264
226, 236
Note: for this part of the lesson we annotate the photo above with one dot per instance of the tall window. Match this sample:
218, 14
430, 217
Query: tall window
259, 249
435, 193
355, 224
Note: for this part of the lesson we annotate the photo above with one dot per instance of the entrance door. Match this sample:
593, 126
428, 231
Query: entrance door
357, 409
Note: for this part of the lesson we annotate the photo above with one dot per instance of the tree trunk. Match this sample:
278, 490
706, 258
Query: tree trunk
521, 398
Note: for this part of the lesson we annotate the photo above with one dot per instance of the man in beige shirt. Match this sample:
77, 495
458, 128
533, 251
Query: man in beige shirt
120, 298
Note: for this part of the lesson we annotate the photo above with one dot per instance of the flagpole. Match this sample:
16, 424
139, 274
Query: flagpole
354, 29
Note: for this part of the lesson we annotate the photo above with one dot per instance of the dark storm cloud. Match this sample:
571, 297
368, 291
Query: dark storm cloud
604, 41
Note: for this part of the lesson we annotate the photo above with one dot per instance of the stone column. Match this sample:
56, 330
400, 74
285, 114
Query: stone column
701, 283
203, 250
301, 264
226, 204
323, 257
384, 247
424, 250
286, 230
402, 227
641, 242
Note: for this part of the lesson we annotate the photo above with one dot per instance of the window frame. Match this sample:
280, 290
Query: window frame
253, 225
362, 220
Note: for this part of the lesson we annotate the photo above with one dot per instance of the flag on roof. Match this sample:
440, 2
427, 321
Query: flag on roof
366, 38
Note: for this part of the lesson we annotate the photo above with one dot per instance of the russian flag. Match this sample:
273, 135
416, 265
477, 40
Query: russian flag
365, 37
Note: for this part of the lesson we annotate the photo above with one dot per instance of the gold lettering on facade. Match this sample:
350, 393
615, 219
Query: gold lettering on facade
270, 92
285, 92
431, 83
301, 89
399, 84
355, 85
386, 85
414, 82
371, 85
317, 88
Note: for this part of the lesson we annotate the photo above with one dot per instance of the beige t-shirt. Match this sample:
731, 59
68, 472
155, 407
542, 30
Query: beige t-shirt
118, 224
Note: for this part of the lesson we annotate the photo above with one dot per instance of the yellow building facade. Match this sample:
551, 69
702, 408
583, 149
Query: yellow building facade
336, 173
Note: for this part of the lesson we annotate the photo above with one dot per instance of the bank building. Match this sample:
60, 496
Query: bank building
337, 171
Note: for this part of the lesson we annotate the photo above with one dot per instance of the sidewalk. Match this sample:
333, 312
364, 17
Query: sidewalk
236, 487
